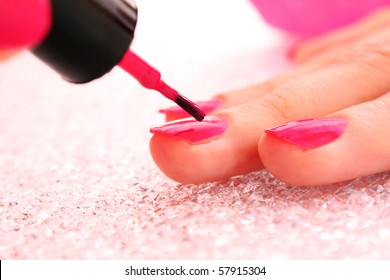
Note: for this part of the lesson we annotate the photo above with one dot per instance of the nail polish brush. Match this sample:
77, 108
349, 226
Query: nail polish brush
83, 40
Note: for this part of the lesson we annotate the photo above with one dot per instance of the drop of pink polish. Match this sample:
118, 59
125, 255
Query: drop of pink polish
193, 130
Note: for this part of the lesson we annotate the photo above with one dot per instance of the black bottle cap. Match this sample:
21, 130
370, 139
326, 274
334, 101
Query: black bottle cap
88, 37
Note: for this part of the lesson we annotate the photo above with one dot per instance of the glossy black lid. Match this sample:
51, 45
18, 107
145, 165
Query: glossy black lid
88, 37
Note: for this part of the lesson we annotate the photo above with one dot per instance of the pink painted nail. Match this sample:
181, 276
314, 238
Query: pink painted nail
24, 23
207, 106
309, 133
193, 130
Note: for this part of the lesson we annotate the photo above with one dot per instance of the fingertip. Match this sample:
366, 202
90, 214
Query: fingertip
274, 153
184, 162
198, 152
294, 165
167, 154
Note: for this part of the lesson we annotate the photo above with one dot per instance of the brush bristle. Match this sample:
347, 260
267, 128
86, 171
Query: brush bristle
190, 107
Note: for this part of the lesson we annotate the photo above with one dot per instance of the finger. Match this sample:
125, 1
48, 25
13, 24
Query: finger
358, 147
236, 97
235, 151
341, 38
363, 47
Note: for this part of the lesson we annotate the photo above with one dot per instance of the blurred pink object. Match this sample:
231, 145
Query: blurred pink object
24, 23
308, 18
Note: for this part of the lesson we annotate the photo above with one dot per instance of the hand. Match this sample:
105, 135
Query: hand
342, 78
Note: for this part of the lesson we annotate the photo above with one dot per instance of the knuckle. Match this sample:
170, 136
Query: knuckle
374, 55
268, 85
362, 51
368, 54
278, 105
289, 103
378, 108
383, 13
383, 104
261, 88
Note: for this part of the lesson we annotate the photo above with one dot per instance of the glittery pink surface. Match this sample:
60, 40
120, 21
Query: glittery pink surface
77, 180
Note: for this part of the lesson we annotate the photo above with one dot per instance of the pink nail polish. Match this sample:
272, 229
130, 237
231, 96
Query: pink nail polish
24, 23
193, 130
207, 106
310, 133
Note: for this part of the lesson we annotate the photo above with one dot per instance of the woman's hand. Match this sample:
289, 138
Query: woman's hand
342, 79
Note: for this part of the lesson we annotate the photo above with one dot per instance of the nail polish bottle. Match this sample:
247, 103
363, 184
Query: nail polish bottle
87, 38
83, 40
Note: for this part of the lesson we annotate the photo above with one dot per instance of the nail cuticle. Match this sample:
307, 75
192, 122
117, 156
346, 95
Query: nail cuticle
193, 131
208, 106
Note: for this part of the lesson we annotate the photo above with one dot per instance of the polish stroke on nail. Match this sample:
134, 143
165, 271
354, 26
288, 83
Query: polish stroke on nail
310, 133
193, 130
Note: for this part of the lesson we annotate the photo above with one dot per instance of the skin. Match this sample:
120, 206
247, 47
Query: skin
343, 74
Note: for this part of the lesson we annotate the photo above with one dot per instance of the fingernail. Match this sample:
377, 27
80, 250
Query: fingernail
193, 130
207, 106
310, 133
